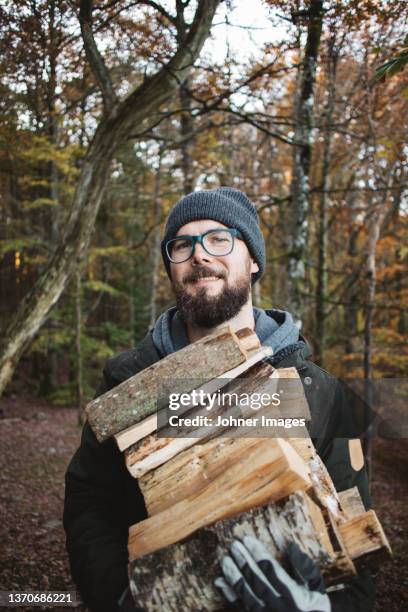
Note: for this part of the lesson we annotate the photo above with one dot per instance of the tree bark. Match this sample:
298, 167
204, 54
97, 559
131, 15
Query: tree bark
296, 230
78, 347
186, 120
156, 243
136, 108
351, 296
186, 128
52, 50
142, 394
371, 279
158, 420
321, 287
180, 577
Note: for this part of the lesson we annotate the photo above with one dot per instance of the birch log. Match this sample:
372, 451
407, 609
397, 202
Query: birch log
180, 576
134, 434
137, 397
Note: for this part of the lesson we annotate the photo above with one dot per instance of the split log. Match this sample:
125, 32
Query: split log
180, 576
358, 533
304, 446
365, 540
351, 502
136, 398
152, 451
192, 469
137, 432
293, 398
323, 490
265, 470
248, 340
189, 472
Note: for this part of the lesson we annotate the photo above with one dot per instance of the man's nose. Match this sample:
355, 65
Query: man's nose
200, 254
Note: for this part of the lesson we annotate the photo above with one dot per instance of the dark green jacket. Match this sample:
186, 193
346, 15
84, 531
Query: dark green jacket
102, 500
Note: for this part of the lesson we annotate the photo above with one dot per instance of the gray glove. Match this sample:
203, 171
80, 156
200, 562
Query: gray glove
255, 581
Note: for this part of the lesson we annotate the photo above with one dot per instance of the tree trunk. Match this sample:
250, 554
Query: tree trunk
54, 210
402, 326
156, 243
186, 125
296, 230
78, 347
255, 180
351, 296
132, 271
113, 130
321, 287
371, 278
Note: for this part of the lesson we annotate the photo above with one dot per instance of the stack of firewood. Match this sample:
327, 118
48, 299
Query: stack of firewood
209, 484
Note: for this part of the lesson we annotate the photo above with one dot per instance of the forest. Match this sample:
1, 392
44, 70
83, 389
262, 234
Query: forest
311, 126
112, 110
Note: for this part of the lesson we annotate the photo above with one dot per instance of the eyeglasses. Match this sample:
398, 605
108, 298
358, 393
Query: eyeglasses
217, 242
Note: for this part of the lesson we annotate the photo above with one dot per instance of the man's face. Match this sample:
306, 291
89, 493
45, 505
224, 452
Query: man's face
211, 289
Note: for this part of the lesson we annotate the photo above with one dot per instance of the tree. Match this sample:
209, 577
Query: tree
119, 118
298, 209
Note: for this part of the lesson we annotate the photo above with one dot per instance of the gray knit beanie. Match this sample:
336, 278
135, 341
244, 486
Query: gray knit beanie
226, 205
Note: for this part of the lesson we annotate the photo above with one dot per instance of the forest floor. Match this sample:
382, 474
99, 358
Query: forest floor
37, 441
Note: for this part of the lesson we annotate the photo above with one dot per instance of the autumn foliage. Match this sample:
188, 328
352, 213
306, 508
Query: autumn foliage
233, 122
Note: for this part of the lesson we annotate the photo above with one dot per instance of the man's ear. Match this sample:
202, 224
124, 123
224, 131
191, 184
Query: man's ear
254, 267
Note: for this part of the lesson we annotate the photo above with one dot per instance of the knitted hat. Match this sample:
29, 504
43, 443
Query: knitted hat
230, 207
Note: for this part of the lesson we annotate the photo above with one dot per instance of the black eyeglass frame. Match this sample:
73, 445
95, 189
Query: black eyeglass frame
199, 238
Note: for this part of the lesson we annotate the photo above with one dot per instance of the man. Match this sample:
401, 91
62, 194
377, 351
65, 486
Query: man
213, 251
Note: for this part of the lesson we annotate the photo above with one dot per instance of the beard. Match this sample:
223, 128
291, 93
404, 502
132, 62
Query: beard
208, 311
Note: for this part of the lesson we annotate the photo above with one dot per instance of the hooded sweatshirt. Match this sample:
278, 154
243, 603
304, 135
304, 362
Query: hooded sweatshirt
274, 328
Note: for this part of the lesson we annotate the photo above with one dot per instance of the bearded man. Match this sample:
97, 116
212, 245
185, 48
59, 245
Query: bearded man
213, 251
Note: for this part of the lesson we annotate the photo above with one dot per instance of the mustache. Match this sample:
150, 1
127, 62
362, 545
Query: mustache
199, 273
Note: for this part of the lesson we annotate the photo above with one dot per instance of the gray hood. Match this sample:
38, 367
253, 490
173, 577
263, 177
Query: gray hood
275, 328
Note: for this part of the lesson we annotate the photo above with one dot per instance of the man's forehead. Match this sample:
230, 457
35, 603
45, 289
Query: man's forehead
194, 228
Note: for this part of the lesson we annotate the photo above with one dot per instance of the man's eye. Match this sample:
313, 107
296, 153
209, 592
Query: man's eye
179, 246
218, 239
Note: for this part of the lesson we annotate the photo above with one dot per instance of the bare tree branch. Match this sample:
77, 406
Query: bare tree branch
160, 9
94, 57
140, 105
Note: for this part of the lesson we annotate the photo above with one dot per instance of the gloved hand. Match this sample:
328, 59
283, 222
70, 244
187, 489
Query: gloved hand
255, 581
